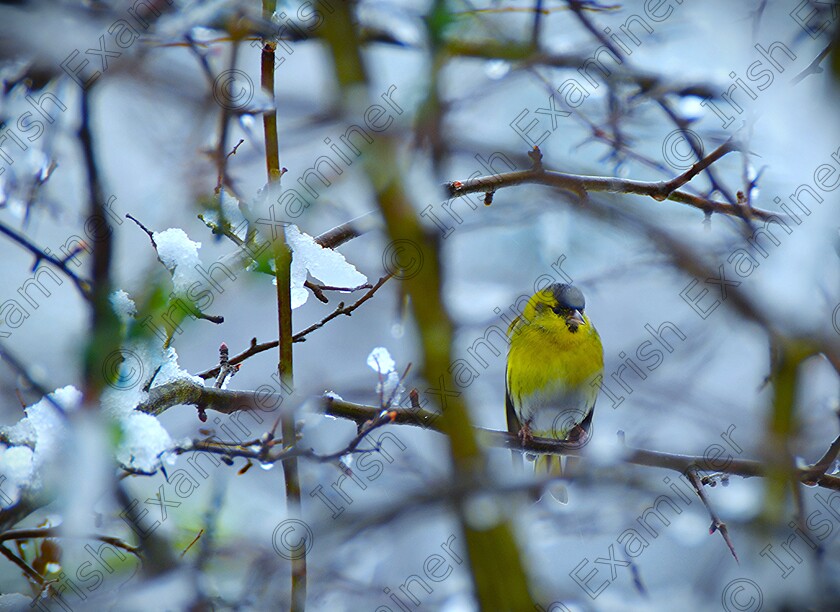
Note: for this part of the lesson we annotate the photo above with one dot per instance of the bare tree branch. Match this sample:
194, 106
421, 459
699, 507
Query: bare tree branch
581, 185
186, 392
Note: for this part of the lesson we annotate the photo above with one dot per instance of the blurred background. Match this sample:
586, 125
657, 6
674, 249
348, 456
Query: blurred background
758, 72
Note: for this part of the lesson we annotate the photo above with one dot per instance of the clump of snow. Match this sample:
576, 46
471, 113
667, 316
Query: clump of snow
123, 306
16, 472
388, 387
140, 362
37, 439
16, 601
327, 265
43, 427
144, 438
180, 256
380, 360
143, 441
230, 208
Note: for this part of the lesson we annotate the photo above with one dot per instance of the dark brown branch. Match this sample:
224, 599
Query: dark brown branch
345, 232
683, 124
678, 181
224, 401
102, 244
577, 7
149, 232
22, 371
580, 184
318, 290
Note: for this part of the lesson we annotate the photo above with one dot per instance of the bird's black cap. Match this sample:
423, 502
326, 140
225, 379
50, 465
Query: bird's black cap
568, 296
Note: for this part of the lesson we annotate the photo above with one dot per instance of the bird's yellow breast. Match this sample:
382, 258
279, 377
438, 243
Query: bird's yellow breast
545, 356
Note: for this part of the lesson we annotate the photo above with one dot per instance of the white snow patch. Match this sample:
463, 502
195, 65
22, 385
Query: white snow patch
144, 440
327, 265
389, 386
180, 256
123, 306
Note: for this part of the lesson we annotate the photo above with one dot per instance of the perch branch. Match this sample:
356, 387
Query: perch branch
186, 392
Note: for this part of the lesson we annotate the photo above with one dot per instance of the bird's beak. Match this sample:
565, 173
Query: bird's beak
576, 318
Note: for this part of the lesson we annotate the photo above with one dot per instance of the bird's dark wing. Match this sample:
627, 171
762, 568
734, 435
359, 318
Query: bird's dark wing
513, 425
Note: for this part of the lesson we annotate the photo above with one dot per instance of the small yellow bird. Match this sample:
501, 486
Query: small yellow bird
554, 360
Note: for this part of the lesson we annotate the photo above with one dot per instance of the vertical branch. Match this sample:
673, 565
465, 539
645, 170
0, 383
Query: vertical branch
537, 26
104, 327
495, 563
282, 271
781, 427
105, 335
272, 146
224, 122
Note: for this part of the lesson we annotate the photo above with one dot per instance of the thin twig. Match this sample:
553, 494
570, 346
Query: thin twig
255, 348
717, 524
814, 66
30, 573
341, 310
190, 545
83, 285
346, 231
231, 152
56, 532
20, 368
149, 232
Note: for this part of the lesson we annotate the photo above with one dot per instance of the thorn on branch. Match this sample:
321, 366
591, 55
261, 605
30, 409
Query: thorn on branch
717, 524
822, 466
